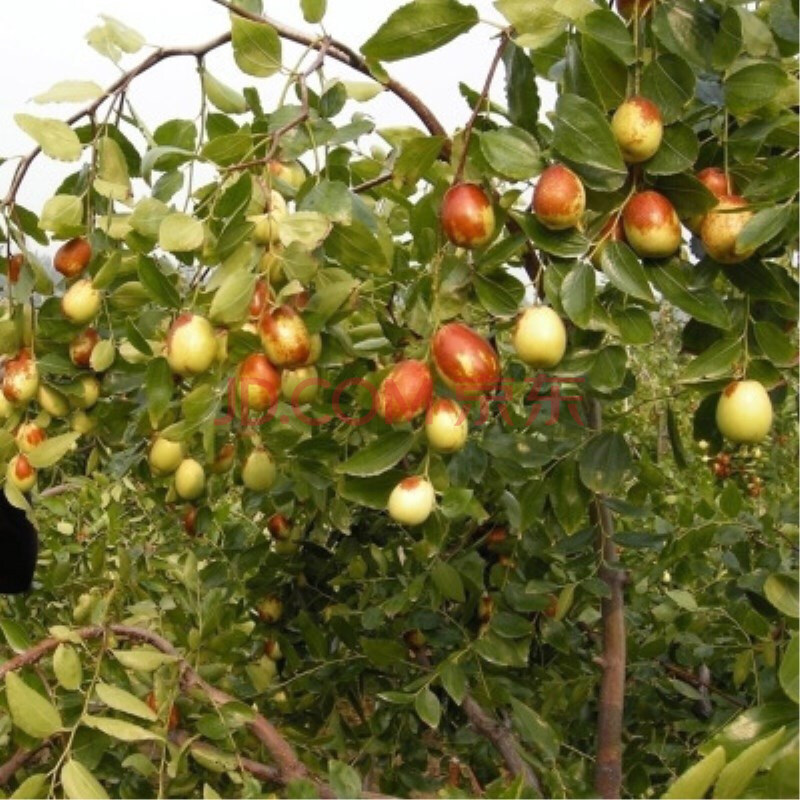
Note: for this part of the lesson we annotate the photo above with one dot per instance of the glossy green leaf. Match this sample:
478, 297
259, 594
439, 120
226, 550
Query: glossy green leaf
782, 592
378, 456
428, 707
31, 713
670, 83
534, 729
625, 271
604, 462
79, 783
698, 779
417, 28
67, 667
789, 673
512, 153
737, 774
121, 700
256, 47
577, 293
55, 137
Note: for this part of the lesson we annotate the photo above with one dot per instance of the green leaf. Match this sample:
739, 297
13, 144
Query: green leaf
736, 775
536, 22
775, 344
685, 30
789, 673
764, 226
34, 786
534, 730
143, 660
625, 271
698, 779
256, 47
678, 151
521, 91
228, 149
158, 388
670, 83
112, 179
232, 299
147, 216
753, 87
15, 635
728, 41
703, 304
427, 706
307, 228
609, 30
512, 153
604, 462
378, 456
565, 244
687, 194
70, 92
180, 233
577, 293
582, 135
67, 667
103, 355
122, 700
682, 599
119, 729
717, 361
417, 28
674, 433
454, 681
345, 781
503, 652
79, 784
55, 137
62, 215
31, 713
448, 581
313, 12
222, 97
51, 451
500, 294
782, 591
158, 285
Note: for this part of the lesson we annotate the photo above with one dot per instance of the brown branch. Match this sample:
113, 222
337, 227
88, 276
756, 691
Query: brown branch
379, 180
119, 86
497, 734
346, 55
687, 676
288, 765
608, 768
275, 138
19, 759
264, 772
503, 741
483, 97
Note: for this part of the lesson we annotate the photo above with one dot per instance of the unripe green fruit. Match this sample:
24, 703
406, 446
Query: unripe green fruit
81, 302
258, 472
539, 337
299, 386
190, 479
165, 456
744, 412
446, 425
52, 401
191, 345
412, 501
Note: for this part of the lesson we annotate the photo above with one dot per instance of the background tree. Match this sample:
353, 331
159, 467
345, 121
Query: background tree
219, 388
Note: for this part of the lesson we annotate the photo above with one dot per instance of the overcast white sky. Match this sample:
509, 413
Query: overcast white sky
43, 41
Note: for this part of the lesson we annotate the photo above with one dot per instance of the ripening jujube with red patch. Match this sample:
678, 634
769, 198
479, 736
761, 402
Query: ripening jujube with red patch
638, 128
721, 228
258, 383
285, 337
464, 360
467, 215
82, 346
559, 198
652, 227
405, 392
72, 258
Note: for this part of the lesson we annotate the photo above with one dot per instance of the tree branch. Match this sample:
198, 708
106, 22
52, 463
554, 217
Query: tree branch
288, 765
118, 87
503, 740
346, 55
18, 760
608, 769
483, 97
497, 734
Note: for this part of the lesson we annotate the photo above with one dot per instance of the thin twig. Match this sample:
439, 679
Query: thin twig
346, 55
482, 99
119, 86
275, 138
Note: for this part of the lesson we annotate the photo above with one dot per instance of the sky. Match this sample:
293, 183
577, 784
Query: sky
45, 41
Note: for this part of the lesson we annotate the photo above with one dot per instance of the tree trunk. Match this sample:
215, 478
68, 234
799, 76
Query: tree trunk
608, 769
